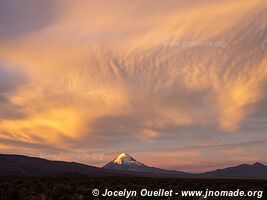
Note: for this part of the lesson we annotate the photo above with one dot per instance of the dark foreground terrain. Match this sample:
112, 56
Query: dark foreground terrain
77, 187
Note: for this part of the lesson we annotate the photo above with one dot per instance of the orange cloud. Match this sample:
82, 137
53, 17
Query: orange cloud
91, 64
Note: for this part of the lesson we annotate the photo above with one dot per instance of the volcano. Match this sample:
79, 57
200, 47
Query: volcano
126, 162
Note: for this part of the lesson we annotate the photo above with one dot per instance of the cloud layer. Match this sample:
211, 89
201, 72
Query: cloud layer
181, 80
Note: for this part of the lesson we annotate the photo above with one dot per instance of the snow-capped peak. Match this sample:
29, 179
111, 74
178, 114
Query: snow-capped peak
125, 162
125, 159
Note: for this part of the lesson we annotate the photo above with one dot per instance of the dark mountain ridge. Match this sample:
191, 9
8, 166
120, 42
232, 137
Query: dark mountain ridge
19, 165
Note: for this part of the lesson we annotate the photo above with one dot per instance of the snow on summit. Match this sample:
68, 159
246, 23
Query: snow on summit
125, 159
125, 162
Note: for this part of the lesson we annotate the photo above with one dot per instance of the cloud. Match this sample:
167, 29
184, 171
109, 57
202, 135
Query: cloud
18, 18
98, 73
11, 79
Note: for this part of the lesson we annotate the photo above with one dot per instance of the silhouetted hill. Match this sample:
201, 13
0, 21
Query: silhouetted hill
18, 165
257, 171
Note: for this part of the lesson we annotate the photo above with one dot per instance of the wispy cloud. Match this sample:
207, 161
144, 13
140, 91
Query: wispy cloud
93, 75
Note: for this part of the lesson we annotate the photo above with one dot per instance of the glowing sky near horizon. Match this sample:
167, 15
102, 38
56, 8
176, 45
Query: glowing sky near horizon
113, 76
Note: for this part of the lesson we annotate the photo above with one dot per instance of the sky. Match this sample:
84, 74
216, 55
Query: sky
177, 84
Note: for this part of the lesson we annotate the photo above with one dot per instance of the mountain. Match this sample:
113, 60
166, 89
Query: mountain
124, 165
257, 171
18, 165
125, 162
